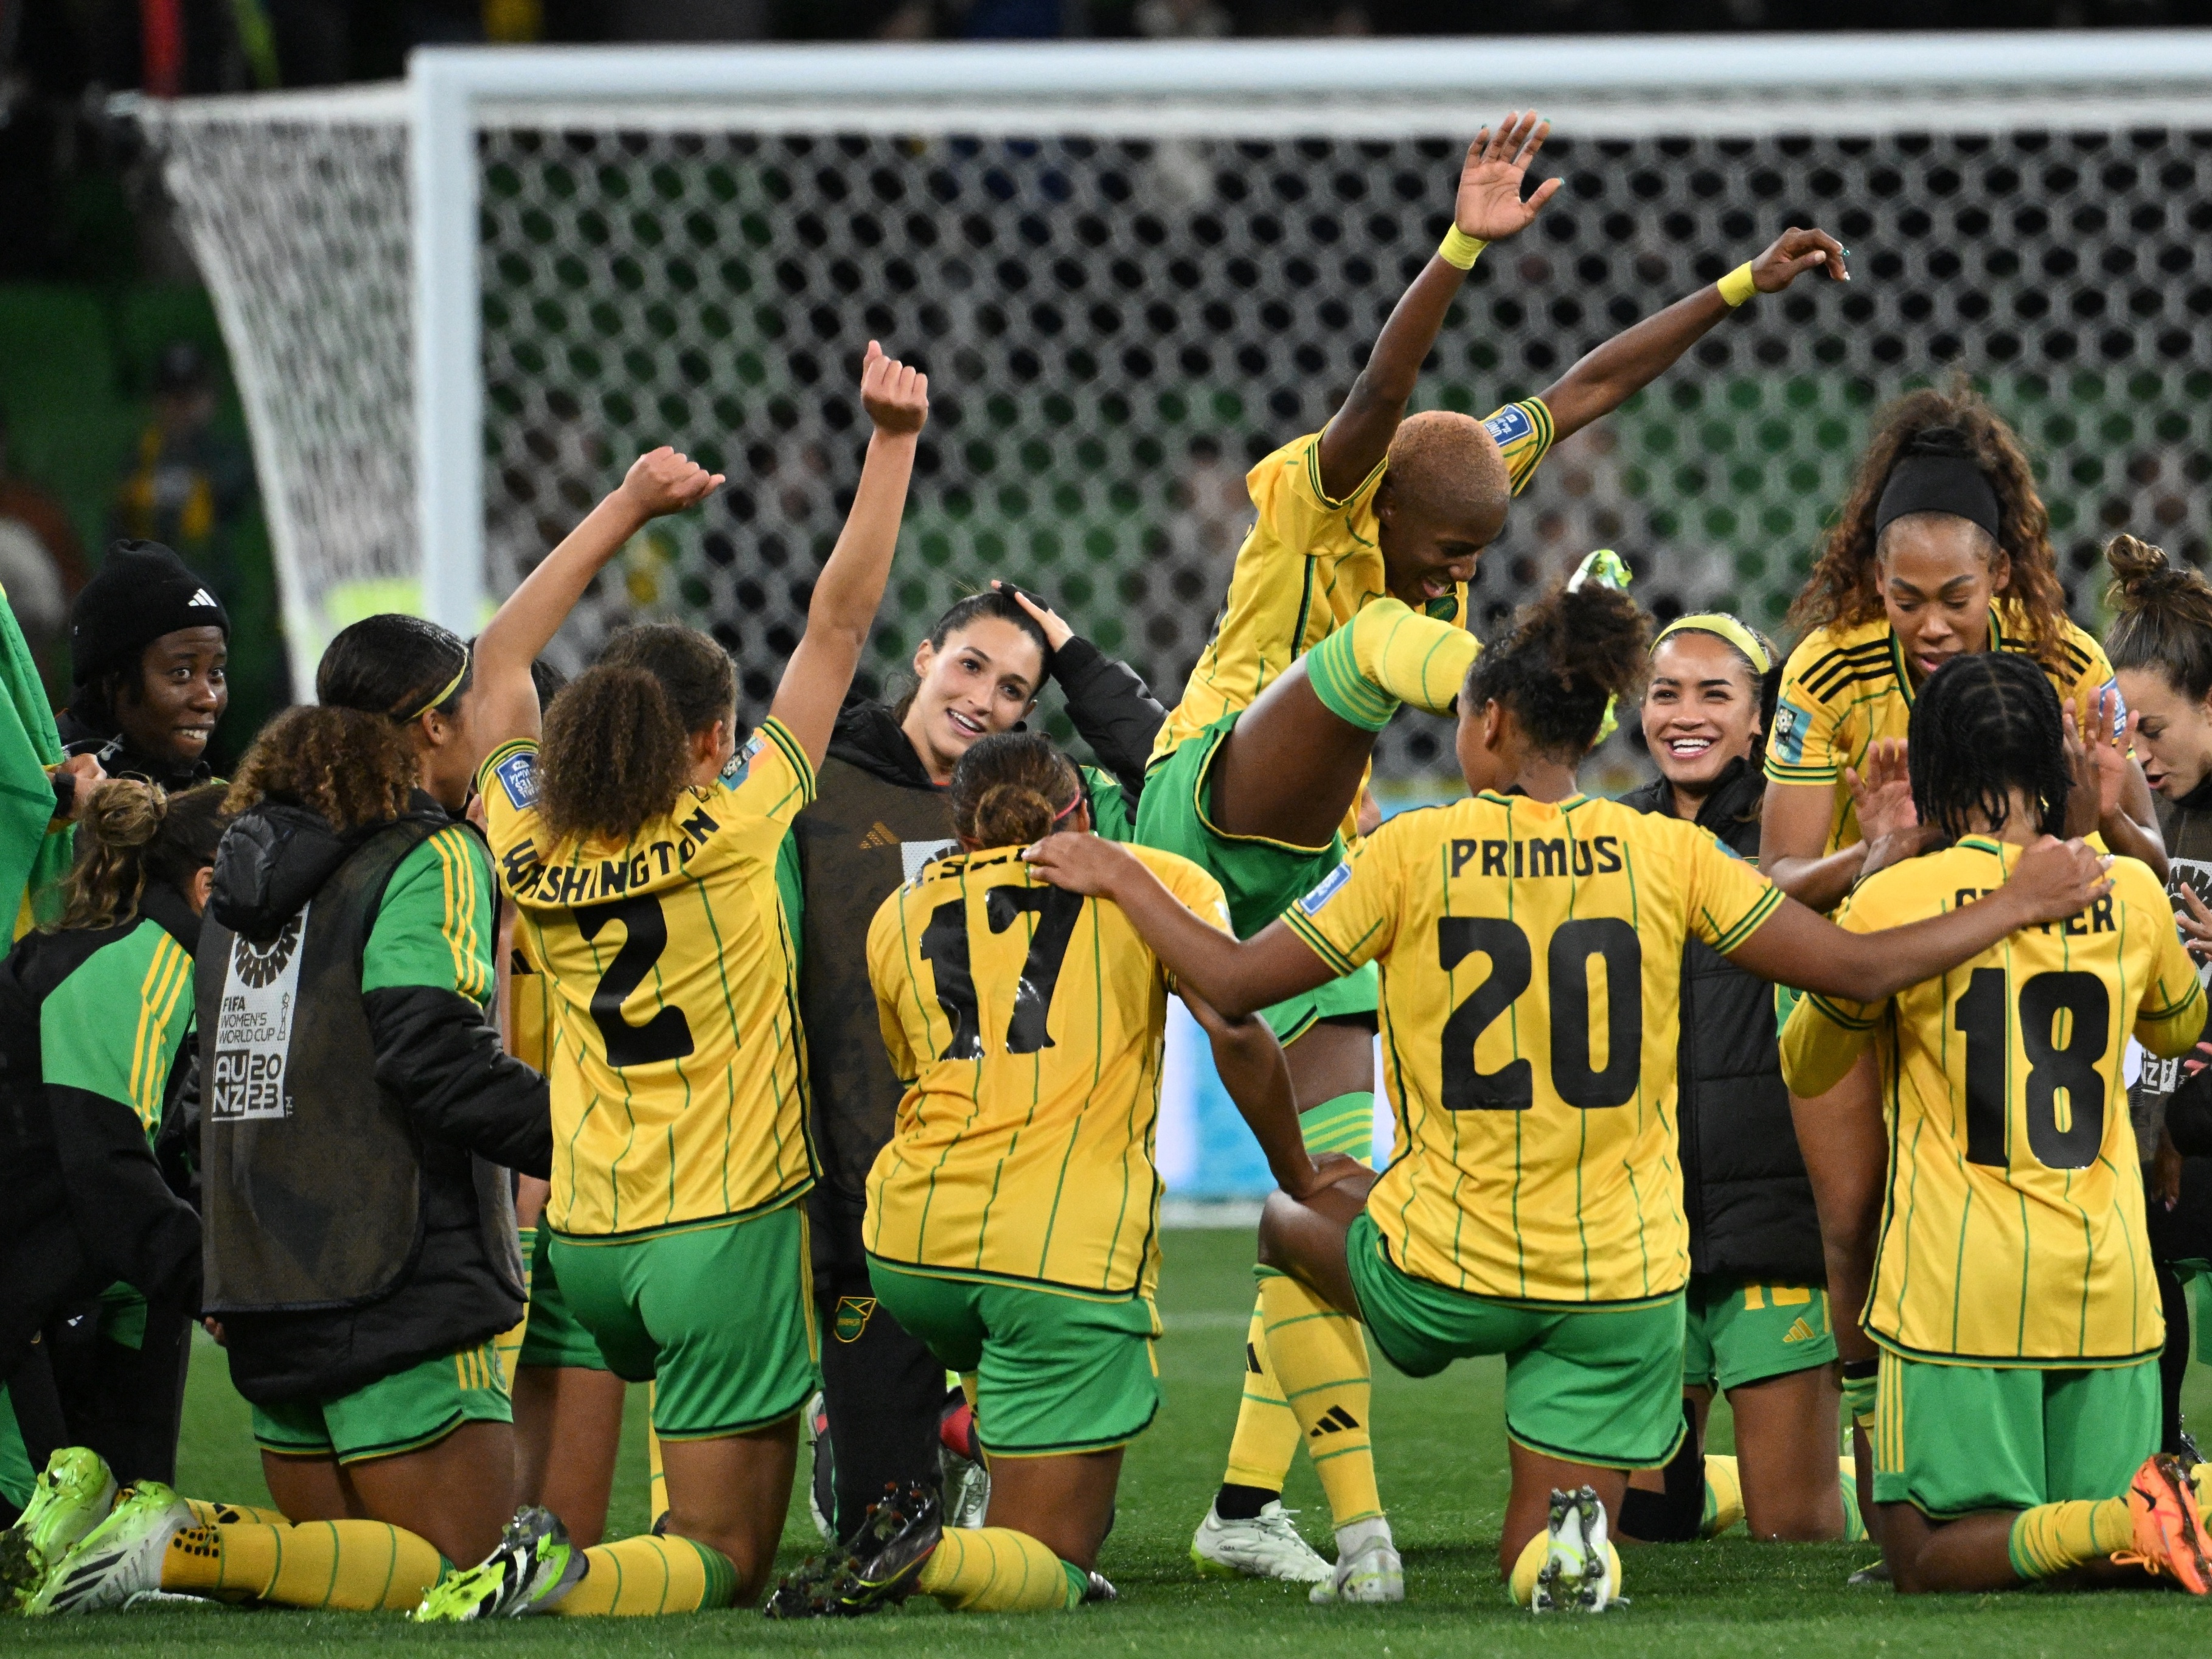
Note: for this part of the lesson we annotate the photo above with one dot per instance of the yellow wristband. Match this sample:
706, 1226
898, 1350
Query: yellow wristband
1737, 287
1459, 249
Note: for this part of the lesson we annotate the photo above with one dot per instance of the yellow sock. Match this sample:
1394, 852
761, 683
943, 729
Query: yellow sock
1724, 1495
206, 1514
1320, 1359
1855, 1526
649, 1574
1521, 1585
656, 1479
1387, 654
348, 1566
2054, 1538
1267, 1432
997, 1569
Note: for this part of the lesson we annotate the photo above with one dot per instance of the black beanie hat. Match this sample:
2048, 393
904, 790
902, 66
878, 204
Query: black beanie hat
142, 592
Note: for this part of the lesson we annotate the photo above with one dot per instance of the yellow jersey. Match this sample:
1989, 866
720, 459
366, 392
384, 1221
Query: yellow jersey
1844, 688
529, 1012
1307, 565
2012, 1233
1531, 959
676, 1070
1027, 1025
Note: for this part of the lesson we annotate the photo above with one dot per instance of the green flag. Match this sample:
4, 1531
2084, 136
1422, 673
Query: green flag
32, 861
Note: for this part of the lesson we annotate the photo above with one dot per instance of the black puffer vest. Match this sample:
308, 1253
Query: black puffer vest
1744, 1186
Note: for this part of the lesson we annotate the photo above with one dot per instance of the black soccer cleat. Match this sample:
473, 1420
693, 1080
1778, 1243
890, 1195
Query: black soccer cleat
902, 1531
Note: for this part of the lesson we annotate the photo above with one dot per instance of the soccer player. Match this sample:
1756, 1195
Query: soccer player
1942, 549
1349, 596
358, 1121
1530, 944
1013, 1220
2160, 644
1757, 1311
2017, 1425
641, 849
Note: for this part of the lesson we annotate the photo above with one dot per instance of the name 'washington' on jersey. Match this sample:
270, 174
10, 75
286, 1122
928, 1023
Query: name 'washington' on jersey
675, 1061
1307, 565
1845, 688
2012, 1232
1029, 1023
1531, 963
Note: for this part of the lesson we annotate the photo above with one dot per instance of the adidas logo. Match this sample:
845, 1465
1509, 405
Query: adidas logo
881, 836
202, 599
1251, 1360
1334, 1421
1800, 1332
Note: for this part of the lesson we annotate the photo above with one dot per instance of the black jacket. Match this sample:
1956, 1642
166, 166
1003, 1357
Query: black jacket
462, 1102
876, 816
2161, 1097
1744, 1186
86, 1204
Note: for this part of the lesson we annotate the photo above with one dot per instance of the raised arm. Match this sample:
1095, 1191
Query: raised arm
503, 698
1237, 977
851, 585
1601, 382
2053, 880
1489, 209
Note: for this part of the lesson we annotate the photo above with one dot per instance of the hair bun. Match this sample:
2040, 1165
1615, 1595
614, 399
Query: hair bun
2138, 566
1949, 441
125, 813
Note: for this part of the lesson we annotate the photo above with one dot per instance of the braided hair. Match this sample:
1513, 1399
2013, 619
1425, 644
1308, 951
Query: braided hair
1983, 726
1563, 660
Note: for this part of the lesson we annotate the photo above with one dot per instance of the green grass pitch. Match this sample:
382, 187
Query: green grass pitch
1443, 1465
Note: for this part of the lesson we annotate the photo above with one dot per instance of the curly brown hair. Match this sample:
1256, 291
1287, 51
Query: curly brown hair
352, 767
1561, 660
131, 833
1012, 788
1841, 593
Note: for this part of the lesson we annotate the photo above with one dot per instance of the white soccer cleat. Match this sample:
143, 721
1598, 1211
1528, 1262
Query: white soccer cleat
1367, 1574
1265, 1547
967, 1488
118, 1560
1579, 1573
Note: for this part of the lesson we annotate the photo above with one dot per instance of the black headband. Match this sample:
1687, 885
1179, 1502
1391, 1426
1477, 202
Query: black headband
1936, 475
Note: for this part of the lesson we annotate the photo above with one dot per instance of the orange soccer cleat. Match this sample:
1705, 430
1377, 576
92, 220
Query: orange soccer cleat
2169, 1539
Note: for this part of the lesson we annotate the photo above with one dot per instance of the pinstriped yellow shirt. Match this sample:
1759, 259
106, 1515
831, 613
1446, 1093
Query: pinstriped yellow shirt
1028, 1024
2013, 1227
676, 1065
1307, 565
1531, 959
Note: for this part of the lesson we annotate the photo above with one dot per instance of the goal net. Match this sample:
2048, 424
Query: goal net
1126, 296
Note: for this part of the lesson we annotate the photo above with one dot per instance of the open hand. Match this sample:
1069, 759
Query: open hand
1057, 633
2194, 921
665, 482
1490, 205
1881, 791
1793, 253
2055, 880
1080, 862
896, 397
2099, 762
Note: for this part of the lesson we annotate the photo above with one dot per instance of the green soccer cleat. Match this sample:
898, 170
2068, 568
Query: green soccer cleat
70, 1498
534, 1566
119, 1559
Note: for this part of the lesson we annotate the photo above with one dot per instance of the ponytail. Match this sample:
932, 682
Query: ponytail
131, 833
1012, 788
2164, 617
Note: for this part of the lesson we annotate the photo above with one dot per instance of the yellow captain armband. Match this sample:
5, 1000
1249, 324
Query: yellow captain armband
1737, 287
1459, 249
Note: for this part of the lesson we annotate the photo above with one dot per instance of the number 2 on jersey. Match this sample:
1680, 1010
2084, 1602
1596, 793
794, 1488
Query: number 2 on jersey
1511, 1088
667, 1035
945, 947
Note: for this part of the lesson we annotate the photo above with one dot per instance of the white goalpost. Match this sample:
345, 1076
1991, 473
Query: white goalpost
457, 307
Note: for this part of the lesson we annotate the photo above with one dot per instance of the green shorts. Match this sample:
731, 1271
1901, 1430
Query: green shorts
1735, 1333
720, 1318
1596, 1385
1262, 878
403, 1413
1951, 1440
551, 1335
1056, 1372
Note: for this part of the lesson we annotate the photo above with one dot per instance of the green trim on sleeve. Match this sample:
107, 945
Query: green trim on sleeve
1768, 902
1296, 921
780, 734
435, 927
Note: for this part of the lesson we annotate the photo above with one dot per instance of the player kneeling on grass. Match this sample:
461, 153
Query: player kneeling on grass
1012, 1220
2016, 1424
1530, 943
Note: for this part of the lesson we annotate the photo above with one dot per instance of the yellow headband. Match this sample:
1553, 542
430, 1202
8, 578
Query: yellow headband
451, 686
1717, 622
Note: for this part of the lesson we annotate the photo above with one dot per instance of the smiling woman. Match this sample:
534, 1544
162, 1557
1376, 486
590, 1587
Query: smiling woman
148, 648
